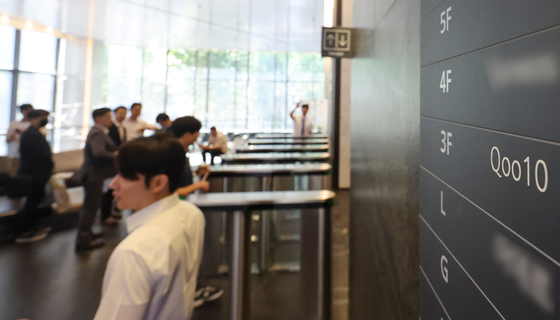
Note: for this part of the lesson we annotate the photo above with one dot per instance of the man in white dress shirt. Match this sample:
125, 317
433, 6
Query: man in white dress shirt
303, 124
152, 273
134, 126
217, 145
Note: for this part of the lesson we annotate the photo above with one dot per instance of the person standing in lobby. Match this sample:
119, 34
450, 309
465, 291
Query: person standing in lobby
217, 145
99, 156
120, 117
118, 134
16, 129
134, 126
303, 124
152, 273
36, 166
186, 130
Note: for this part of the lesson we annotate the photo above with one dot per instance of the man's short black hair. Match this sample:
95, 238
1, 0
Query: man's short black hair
36, 113
162, 117
185, 124
119, 107
100, 112
213, 128
152, 156
25, 106
135, 104
305, 106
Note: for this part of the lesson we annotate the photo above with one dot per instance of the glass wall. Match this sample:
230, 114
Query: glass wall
28, 74
232, 90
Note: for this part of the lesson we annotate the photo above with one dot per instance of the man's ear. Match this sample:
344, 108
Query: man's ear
159, 183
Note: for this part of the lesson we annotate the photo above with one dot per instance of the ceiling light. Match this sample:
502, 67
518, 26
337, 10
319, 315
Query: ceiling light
50, 30
5, 19
29, 25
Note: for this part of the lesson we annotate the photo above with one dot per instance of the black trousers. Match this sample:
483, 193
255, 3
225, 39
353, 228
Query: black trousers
107, 204
30, 212
212, 154
93, 188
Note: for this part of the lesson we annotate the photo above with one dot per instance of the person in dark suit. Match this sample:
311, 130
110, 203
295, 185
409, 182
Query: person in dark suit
164, 122
99, 156
35, 165
118, 135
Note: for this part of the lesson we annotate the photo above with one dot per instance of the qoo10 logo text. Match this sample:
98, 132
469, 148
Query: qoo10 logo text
504, 167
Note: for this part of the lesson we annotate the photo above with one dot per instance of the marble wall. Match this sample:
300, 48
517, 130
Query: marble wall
385, 160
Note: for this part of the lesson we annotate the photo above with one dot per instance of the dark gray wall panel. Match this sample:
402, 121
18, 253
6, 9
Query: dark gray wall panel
450, 281
475, 24
385, 159
429, 5
469, 169
475, 240
489, 163
511, 87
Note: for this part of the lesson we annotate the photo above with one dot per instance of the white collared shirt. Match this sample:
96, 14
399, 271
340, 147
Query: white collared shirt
152, 273
219, 141
306, 121
132, 127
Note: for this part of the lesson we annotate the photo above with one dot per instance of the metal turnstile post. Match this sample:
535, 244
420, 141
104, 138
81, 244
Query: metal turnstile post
241, 267
315, 238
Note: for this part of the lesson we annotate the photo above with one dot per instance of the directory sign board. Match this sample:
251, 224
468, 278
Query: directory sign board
490, 160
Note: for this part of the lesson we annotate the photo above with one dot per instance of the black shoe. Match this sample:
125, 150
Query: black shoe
89, 245
206, 294
35, 234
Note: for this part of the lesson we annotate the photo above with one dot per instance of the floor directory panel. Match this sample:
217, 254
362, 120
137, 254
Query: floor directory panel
490, 160
456, 27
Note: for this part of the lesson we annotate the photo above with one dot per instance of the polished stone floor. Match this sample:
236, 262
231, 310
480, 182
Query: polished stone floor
47, 280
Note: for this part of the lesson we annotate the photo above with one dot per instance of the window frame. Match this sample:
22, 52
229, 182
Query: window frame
16, 73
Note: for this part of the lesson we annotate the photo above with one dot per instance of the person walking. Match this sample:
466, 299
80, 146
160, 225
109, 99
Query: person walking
35, 167
99, 156
118, 134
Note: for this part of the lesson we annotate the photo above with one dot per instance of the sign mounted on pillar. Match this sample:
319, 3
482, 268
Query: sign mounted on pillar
337, 43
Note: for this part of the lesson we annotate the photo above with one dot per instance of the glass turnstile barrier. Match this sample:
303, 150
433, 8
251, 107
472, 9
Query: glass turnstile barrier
310, 294
275, 157
275, 234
